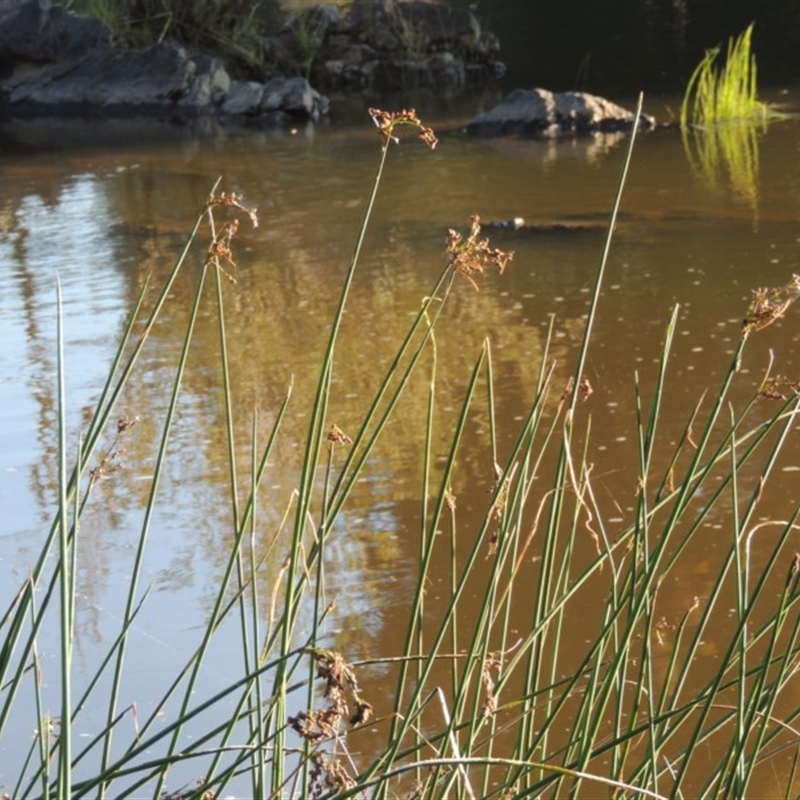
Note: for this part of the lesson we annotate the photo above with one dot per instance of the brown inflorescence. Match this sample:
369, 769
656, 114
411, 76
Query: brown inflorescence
388, 121
233, 200
471, 257
337, 436
219, 250
111, 460
769, 305
778, 388
323, 723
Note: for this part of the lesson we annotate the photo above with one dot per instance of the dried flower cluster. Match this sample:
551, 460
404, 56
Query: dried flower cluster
778, 388
770, 305
324, 723
340, 681
472, 256
219, 250
111, 460
388, 121
232, 200
328, 774
337, 436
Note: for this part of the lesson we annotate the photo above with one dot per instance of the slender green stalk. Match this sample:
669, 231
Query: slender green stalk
310, 463
65, 562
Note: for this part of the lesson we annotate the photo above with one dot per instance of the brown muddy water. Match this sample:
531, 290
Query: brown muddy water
101, 219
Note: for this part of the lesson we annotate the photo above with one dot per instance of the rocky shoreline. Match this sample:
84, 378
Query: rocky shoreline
55, 63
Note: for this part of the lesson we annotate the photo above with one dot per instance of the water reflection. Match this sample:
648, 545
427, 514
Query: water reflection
730, 150
107, 221
58, 234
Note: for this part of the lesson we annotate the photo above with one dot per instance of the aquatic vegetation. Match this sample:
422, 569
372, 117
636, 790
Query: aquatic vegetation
722, 95
721, 118
730, 150
480, 707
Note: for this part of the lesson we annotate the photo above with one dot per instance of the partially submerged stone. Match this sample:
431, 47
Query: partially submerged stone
538, 112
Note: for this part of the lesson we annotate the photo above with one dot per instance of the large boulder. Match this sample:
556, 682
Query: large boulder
537, 112
54, 61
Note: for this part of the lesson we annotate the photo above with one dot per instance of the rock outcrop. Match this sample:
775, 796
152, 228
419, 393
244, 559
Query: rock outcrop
387, 45
537, 112
52, 61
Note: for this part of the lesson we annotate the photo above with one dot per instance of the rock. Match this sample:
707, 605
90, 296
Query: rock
243, 97
43, 32
294, 96
210, 82
386, 45
52, 60
446, 70
417, 26
537, 112
157, 76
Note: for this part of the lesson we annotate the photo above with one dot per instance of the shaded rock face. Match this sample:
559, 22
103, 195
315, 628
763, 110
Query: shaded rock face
537, 112
52, 60
387, 45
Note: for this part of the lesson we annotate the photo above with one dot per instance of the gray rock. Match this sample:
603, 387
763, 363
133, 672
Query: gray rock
54, 61
386, 45
537, 112
446, 70
158, 75
243, 97
416, 26
209, 84
293, 96
42, 31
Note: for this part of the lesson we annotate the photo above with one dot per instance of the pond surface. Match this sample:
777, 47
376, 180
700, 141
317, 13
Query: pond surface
100, 220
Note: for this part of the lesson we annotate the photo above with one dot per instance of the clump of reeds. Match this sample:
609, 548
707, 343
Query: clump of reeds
724, 94
722, 117
630, 709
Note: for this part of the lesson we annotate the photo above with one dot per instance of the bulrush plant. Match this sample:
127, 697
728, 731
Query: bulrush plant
727, 94
482, 706
721, 118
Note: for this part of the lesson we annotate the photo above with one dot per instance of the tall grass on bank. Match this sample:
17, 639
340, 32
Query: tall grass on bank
631, 709
232, 28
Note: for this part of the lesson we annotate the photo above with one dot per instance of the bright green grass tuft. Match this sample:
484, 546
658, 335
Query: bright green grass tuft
715, 95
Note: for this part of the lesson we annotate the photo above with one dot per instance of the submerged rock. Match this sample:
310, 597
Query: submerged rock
538, 112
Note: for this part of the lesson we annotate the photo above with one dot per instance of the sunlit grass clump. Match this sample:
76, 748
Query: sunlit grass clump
722, 118
717, 94
479, 706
